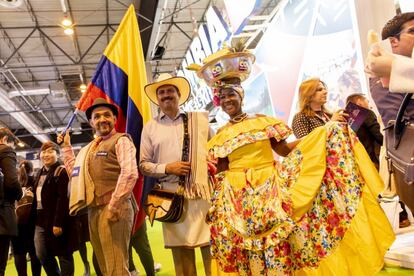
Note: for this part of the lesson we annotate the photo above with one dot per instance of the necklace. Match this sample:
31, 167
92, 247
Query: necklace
238, 118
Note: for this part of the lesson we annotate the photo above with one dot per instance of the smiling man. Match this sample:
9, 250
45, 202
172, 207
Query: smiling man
107, 168
162, 157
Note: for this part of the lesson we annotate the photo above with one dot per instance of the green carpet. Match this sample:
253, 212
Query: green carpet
164, 257
161, 255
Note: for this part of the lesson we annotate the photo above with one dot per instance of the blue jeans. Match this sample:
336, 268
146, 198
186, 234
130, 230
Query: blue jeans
48, 261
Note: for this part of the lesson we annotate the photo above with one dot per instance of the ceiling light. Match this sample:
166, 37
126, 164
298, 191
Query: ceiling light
82, 86
20, 144
66, 22
68, 31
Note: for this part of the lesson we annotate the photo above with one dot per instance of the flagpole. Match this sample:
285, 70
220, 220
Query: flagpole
70, 121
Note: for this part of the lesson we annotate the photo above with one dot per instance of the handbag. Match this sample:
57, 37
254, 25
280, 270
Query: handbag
24, 206
399, 141
165, 205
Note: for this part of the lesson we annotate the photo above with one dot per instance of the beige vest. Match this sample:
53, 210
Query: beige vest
103, 166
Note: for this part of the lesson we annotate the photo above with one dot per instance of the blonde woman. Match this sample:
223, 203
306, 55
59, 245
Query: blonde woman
312, 111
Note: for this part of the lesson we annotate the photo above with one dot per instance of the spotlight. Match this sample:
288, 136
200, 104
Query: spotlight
68, 31
66, 22
20, 144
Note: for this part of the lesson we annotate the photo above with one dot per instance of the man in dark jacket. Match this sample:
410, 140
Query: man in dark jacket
10, 191
369, 133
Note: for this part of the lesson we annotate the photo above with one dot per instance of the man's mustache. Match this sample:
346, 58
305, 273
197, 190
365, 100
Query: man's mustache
167, 98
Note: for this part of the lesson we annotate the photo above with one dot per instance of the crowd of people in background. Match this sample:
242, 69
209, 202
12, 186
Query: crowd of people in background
256, 216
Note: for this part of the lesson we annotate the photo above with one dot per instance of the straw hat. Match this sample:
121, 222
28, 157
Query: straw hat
181, 83
228, 63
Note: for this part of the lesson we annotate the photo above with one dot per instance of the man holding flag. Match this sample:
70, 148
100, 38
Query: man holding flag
107, 169
119, 80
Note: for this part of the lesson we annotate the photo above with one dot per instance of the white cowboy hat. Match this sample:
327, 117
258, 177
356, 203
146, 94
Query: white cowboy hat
166, 79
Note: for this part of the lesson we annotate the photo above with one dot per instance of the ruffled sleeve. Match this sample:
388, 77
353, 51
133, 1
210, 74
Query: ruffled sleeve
246, 132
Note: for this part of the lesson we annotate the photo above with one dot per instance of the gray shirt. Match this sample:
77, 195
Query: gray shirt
161, 143
388, 103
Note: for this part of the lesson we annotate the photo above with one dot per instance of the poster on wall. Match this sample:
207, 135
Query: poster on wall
309, 39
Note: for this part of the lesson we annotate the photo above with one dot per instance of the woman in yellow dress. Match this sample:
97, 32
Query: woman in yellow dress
314, 213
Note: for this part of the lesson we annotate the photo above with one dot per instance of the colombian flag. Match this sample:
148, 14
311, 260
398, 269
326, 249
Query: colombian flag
120, 78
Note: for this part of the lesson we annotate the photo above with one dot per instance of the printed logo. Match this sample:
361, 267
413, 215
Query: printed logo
76, 171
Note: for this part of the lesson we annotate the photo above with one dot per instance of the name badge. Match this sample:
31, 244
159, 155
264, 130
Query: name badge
102, 153
76, 171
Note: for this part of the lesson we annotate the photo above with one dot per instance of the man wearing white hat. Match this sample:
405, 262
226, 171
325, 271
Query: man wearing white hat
161, 156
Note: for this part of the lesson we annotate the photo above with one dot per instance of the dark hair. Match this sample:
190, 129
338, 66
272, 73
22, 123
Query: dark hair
5, 132
25, 169
354, 97
48, 145
393, 27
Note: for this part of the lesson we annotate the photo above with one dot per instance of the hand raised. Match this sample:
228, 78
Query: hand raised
63, 141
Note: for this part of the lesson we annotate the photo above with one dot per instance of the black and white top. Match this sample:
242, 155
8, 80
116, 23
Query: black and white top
303, 124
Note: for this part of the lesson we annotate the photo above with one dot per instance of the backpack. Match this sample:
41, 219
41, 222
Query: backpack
399, 137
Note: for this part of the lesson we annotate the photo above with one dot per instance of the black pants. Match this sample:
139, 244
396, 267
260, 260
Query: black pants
23, 244
48, 261
4, 252
20, 262
141, 245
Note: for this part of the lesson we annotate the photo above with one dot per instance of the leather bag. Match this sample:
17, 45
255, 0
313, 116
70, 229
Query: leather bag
165, 205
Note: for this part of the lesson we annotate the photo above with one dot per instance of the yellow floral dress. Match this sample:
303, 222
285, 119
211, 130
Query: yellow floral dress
315, 213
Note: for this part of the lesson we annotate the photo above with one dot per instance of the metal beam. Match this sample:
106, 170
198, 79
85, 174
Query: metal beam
93, 43
178, 27
37, 110
57, 46
77, 48
107, 20
56, 26
11, 45
184, 22
138, 14
18, 48
177, 11
47, 65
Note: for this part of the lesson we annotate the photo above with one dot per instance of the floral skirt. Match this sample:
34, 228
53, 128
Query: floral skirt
317, 215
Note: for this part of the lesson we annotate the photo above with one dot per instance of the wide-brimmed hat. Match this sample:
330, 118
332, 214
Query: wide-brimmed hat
100, 102
181, 83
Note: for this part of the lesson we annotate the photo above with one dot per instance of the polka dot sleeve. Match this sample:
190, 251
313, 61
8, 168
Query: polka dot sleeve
300, 125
